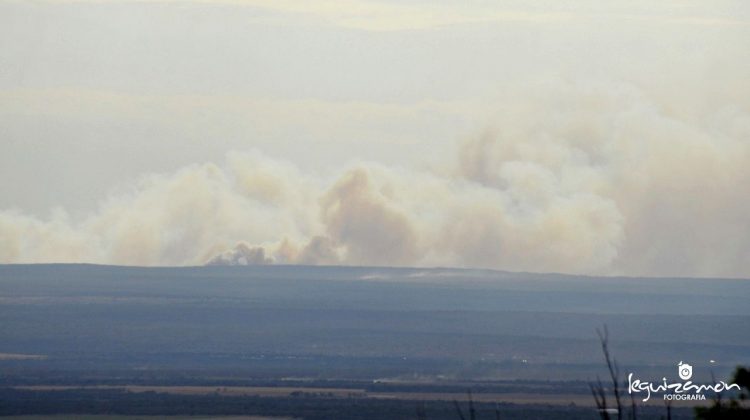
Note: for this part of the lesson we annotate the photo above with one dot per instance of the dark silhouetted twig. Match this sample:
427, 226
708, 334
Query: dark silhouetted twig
614, 369
600, 397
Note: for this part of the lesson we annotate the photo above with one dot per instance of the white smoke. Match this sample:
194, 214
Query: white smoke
582, 179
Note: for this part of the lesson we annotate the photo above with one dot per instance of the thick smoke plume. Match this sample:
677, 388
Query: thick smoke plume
592, 180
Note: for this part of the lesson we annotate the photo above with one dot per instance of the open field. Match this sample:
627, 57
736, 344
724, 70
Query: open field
368, 323
356, 341
559, 398
14, 356
107, 401
116, 417
206, 390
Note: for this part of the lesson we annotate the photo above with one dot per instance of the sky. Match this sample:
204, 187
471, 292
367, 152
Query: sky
581, 137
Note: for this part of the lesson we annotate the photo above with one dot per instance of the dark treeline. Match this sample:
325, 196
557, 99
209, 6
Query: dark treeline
121, 402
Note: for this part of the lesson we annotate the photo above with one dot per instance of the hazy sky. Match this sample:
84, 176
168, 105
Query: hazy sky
586, 137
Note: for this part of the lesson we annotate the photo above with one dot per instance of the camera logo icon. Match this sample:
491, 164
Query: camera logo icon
685, 371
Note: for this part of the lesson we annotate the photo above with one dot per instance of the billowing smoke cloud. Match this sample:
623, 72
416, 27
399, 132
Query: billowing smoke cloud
584, 179
242, 254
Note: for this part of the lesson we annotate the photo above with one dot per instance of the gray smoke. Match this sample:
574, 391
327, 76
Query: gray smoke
242, 254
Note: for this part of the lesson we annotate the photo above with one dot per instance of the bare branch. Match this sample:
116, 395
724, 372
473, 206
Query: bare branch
472, 411
421, 414
613, 367
458, 410
600, 398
